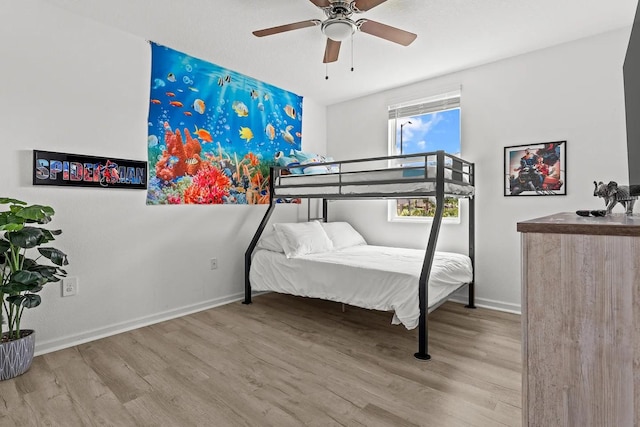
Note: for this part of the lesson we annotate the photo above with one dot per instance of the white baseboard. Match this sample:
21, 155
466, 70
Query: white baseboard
95, 334
490, 304
83, 337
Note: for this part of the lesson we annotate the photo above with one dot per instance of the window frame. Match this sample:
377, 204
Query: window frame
446, 100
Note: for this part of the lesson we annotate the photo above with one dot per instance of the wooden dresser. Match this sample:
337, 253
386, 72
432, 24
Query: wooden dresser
581, 321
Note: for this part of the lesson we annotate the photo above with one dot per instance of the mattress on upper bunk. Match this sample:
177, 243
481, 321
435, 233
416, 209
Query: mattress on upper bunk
389, 182
367, 276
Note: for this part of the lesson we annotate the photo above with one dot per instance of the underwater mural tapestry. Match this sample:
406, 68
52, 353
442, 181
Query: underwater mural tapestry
214, 133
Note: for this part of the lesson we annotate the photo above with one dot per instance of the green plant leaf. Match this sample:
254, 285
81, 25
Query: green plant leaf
27, 278
28, 263
11, 227
48, 235
26, 300
49, 272
32, 300
55, 255
16, 288
36, 213
7, 200
10, 222
28, 237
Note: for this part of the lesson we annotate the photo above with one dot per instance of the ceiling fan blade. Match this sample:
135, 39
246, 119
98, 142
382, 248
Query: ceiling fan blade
363, 5
321, 3
386, 32
287, 27
332, 51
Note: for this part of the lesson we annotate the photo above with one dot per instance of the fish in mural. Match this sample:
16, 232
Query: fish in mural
260, 106
246, 133
270, 131
290, 111
223, 80
188, 113
176, 103
155, 101
286, 135
203, 134
193, 89
240, 109
171, 94
198, 105
171, 77
298, 134
254, 94
266, 96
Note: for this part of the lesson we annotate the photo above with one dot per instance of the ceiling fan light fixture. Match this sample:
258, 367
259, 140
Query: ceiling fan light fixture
338, 29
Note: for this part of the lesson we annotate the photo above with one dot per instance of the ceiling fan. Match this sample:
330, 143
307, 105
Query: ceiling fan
339, 26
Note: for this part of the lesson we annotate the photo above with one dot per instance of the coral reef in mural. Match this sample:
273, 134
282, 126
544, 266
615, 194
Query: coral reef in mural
180, 158
214, 133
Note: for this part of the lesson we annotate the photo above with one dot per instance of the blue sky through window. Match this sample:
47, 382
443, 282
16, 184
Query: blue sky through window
430, 132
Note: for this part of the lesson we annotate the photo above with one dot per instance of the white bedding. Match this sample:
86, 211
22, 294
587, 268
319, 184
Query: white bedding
374, 277
344, 183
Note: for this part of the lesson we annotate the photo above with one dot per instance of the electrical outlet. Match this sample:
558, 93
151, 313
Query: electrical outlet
213, 262
69, 286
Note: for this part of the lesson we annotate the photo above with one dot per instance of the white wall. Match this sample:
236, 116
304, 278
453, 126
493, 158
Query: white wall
72, 85
570, 92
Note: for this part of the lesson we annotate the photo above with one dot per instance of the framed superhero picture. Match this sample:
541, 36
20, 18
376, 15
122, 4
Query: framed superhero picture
536, 169
79, 170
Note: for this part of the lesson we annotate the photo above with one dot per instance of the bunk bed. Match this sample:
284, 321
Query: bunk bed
432, 174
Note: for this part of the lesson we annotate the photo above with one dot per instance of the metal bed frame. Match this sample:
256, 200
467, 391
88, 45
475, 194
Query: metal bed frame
459, 170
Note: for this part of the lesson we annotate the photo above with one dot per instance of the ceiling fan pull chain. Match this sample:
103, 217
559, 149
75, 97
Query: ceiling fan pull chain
352, 52
326, 71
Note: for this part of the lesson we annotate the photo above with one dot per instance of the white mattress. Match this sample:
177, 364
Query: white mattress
333, 183
374, 277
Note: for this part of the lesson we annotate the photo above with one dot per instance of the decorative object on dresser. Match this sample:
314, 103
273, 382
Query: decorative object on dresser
22, 278
580, 320
612, 193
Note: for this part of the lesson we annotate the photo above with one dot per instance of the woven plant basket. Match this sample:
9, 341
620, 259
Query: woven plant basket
16, 356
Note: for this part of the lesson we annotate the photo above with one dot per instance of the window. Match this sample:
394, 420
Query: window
425, 125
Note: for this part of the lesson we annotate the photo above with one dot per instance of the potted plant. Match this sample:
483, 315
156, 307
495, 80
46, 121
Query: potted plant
23, 277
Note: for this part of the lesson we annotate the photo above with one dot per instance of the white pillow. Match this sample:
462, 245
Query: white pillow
343, 235
301, 238
270, 242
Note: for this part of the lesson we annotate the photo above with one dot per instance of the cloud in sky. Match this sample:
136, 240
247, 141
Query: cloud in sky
420, 126
430, 132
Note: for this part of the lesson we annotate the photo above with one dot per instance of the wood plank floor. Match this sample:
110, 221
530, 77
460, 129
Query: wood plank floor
281, 361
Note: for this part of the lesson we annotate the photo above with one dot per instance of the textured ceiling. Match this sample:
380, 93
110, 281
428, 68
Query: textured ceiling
452, 35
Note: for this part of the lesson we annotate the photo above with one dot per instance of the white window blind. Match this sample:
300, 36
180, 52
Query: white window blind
446, 101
